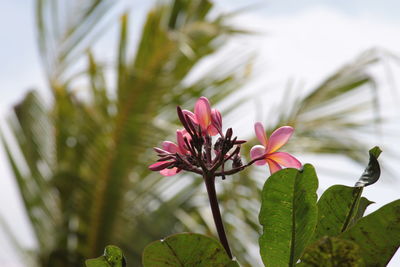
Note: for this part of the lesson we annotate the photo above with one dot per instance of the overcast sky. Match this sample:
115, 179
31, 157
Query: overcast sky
304, 40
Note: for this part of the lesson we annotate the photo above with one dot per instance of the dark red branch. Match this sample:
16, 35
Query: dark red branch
212, 196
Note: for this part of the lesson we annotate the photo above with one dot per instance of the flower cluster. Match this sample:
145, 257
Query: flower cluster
195, 152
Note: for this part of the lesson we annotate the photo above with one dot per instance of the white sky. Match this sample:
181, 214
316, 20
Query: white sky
304, 40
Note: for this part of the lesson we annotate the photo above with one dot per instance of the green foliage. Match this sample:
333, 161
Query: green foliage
113, 257
291, 219
340, 206
377, 234
337, 206
332, 252
332, 232
288, 215
362, 206
342, 237
186, 250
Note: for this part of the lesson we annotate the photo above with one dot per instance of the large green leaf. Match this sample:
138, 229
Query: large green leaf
332, 252
339, 206
288, 215
377, 234
336, 208
186, 250
113, 257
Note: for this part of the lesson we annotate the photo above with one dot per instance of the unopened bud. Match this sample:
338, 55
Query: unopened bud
228, 134
158, 166
237, 162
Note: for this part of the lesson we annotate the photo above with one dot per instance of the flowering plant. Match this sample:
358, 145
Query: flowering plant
298, 229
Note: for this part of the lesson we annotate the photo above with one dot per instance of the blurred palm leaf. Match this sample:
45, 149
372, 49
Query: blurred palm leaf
83, 172
331, 117
81, 161
65, 30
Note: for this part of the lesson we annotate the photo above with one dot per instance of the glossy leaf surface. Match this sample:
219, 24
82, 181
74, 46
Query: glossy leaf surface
288, 215
362, 206
377, 234
186, 250
336, 209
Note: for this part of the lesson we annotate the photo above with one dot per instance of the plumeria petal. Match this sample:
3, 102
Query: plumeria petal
216, 120
285, 159
256, 152
190, 115
180, 135
170, 172
278, 138
211, 130
273, 166
260, 133
170, 147
202, 110
161, 165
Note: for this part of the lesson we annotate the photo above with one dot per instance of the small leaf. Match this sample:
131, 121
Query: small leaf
288, 215
332, 252
113, 257
186, 250
373, 171
377, 235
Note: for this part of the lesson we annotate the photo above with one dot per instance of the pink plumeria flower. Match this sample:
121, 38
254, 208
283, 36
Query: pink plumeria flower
269, 148
171, 148
210, 120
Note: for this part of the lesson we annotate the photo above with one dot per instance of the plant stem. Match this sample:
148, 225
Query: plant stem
209, 179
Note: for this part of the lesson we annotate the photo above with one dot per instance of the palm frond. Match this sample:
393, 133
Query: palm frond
86, 157
327, 118
65, 30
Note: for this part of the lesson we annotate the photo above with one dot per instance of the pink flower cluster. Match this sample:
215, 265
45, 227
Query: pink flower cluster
194, 151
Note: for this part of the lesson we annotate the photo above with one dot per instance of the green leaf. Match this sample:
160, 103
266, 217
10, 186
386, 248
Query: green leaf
362, 206
373, 171
288, 215
332, 252
336, 209
377, 234
113, 257
186, 249
339, 206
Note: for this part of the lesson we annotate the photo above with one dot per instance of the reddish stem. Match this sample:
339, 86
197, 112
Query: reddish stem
209, 180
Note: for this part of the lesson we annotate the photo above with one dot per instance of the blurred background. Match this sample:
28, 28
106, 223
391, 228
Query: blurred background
89, 87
